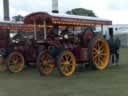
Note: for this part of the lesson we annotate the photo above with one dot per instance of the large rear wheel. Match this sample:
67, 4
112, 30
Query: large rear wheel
66, 63
99, 53
15, 62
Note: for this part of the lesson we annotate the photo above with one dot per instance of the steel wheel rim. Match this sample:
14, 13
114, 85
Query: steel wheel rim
46, 64
68, 64
101, 54
16, 62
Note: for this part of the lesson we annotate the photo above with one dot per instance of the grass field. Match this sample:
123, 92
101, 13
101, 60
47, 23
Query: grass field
111, 82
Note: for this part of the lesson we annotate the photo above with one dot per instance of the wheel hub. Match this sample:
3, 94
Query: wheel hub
66, 63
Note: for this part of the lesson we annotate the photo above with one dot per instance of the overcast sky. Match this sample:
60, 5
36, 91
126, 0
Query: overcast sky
115, 10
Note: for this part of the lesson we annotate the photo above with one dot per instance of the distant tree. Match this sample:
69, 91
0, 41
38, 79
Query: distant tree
18, 18
82, 12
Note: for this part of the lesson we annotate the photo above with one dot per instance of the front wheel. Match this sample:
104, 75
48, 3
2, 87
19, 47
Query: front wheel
66, 63
45, 63
15, 62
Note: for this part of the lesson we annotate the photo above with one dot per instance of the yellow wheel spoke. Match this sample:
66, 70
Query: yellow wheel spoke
70, 61
51, 65
96, 61
100, 61
67, 56
101, 46
94, 57
102, 50
98, 45
95, 50
63, 67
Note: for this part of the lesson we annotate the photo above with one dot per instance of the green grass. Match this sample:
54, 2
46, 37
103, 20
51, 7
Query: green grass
110, 82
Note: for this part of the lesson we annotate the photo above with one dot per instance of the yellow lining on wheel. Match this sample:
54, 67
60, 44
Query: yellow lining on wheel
16, 62
101, 54
68, 64
46, 67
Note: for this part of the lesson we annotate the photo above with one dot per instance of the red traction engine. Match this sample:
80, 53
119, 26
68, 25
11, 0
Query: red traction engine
68, 41
63, 42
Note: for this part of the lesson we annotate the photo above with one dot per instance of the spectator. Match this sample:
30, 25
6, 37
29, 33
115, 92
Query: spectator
111, 46
117, 47
114, 44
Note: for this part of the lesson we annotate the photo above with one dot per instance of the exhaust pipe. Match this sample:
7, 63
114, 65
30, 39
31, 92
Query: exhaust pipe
6, 10
55, 6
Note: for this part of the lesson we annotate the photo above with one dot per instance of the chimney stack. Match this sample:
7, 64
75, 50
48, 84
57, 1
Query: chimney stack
55, 6
6, 10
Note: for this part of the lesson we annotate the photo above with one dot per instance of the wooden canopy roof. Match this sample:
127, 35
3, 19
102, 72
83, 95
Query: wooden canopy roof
63, 19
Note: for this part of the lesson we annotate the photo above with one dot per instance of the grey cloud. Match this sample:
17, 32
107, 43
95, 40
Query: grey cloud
118, 5
103, 8
29, 6
1, 9
43, 5
65, 5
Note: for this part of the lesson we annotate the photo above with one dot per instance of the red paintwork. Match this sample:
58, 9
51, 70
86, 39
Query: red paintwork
87, 36
78, 54
4, 39
30, 51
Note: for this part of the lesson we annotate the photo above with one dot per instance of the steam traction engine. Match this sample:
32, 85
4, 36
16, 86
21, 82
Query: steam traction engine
58, 41
69, 40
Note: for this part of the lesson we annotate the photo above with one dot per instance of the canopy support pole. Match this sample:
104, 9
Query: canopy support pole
35, 37
102, 29
45, 33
